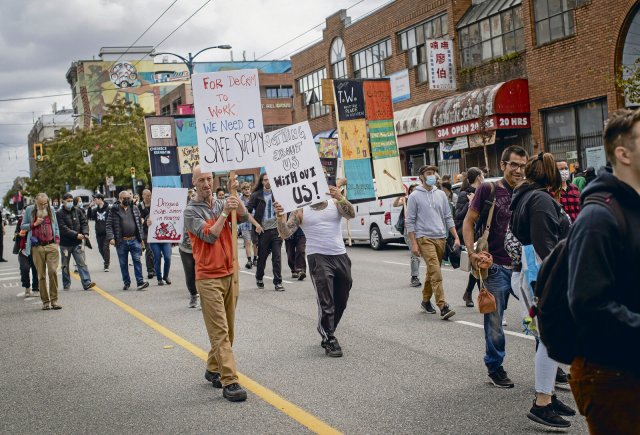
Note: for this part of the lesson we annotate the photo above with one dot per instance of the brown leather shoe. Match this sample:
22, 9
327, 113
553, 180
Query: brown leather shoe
46, 306
55, 306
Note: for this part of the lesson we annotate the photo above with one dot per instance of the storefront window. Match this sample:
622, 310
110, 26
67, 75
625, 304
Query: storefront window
554, 19
311, 87
413, 41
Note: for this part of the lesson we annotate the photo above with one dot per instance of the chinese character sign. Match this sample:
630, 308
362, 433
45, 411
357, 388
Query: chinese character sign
167, 217
228, 120
440, 63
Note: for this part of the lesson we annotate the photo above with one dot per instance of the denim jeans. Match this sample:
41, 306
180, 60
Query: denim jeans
415, 261
161, 250
123, 249
78, 255
498, 283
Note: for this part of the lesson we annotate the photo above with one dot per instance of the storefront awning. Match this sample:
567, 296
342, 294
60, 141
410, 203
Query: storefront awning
413, 119
501, 106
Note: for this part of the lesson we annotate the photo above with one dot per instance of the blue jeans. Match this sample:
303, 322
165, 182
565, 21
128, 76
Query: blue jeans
78, 255
123, 249
498, 283
165, 250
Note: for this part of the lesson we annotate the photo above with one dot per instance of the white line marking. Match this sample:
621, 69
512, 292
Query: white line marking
444, 269
476, 325
268, 277
10, 278
13, 271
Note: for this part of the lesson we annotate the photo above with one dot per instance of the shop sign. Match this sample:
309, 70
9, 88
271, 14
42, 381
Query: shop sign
459, 143
496, 122
400, 89
440, 63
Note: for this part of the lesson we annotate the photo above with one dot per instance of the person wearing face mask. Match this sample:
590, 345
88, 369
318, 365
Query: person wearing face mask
124, 231
99, 214
428, 220
74, 230
569, 194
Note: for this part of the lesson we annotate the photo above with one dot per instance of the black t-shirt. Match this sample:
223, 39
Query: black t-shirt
128, 223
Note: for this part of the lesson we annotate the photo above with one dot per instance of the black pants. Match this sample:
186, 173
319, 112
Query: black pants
148, 258
26, 265
270, 242
295, 247
189, 266
1, 240
471, 283
331, 277
104, 249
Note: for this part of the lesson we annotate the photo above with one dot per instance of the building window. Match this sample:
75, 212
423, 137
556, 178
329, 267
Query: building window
338, 59
174, 105
491, 37
554, 19
571, 130
369, 62
166, 110
279, 92
413, 41
310, 86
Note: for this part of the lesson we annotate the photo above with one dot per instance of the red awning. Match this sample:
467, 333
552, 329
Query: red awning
504, 105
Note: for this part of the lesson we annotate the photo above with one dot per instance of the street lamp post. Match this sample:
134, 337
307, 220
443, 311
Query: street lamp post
188, 61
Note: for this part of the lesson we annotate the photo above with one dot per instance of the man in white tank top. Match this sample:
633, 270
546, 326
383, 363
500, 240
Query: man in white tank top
329, 265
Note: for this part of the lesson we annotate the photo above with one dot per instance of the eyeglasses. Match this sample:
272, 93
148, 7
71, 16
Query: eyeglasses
514, 165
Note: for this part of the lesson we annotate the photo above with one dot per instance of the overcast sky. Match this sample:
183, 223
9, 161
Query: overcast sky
39, 39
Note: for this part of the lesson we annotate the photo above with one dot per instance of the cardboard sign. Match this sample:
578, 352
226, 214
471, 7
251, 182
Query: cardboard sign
167, 215
328, 148
228, 120
294, 168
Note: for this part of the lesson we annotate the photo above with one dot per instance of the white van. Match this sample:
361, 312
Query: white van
375, 221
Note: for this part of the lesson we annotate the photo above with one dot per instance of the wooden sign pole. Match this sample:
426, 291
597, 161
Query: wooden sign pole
234, 237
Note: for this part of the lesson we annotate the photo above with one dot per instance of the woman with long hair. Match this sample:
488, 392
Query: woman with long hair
538, 221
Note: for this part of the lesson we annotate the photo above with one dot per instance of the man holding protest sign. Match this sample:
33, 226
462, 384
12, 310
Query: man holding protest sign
207, 221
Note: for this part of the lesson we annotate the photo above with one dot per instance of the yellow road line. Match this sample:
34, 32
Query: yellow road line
295, 412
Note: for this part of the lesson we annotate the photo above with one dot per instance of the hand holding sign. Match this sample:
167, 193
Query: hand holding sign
335, 193
278, 208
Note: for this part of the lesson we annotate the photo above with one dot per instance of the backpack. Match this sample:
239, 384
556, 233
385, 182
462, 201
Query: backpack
556, 325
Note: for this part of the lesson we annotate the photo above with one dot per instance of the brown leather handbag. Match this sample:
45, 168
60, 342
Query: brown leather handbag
486, 301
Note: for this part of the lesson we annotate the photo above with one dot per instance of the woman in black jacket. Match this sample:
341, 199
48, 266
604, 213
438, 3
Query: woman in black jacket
474, 179
538, 220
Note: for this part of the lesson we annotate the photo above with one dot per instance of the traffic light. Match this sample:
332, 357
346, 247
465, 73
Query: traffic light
38, 153
133, 172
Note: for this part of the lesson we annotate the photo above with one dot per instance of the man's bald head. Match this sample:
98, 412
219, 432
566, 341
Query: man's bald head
203, 181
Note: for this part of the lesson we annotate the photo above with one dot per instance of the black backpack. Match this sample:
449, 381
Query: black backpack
557, 328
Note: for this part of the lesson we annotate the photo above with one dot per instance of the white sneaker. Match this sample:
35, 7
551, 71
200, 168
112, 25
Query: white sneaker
27, 292
106, 269
193, 301
504, 322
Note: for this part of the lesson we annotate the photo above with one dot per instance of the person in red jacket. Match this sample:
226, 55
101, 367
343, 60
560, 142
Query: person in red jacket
207, 221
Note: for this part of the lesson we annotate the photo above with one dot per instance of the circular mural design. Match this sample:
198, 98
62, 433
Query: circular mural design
123, 75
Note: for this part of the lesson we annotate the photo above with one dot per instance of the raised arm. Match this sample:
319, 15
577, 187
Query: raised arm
287, 227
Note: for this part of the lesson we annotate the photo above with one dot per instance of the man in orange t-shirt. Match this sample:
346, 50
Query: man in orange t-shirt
208, 223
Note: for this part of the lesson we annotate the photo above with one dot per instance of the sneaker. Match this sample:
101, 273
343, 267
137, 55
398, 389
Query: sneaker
446, 312
167, 281
561, 378
415, 282
249, 264
90, 286
428, 307
561, 408
27, 292
66, 288
142, 286
234, 393
504, 322
55, 306
193, 301
332, 348
255, 261
150, 275
547, 416
126, 287
160, 282
279, 288
46, 306
301, 276
295, 275
466, 297
106, 269
260, 284
214, 378
500, 379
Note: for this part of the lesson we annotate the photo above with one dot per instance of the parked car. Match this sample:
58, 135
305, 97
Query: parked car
456, 187
375, 221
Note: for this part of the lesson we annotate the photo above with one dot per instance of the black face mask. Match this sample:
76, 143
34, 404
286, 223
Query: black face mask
126, 202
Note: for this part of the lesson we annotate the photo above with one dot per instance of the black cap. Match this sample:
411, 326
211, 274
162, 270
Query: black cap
98, 196
67, 196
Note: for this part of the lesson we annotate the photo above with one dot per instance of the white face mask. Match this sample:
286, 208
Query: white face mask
564, 174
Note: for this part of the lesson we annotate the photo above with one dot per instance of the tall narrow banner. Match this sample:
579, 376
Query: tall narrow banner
295, 171
352, 137
166, 215
441, 68
228, 120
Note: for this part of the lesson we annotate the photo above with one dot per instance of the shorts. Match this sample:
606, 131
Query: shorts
246, 234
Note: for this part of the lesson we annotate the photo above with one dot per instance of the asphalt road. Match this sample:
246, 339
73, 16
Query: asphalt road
94, 367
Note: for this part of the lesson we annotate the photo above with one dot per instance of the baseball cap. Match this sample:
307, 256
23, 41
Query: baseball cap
98, 196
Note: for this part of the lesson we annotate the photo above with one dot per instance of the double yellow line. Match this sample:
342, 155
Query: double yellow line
298, 414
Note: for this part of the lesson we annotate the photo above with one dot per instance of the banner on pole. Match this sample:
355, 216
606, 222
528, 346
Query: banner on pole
167, 217
228, 120
294, 167
328, 148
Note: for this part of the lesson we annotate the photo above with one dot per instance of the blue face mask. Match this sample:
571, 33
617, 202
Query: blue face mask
68, 205
431, 180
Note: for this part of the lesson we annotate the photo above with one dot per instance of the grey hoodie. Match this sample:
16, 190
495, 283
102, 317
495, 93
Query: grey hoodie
428, 213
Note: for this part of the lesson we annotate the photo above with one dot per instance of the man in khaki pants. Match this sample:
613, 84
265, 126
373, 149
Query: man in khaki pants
42, 243
208, 223
428, 218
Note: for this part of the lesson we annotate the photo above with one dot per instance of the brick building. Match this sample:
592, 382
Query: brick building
536, 73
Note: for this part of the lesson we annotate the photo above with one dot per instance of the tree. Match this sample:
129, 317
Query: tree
628, 81
118, 144
16, 189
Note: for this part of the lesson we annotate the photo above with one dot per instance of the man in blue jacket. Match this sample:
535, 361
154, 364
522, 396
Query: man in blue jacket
604, 296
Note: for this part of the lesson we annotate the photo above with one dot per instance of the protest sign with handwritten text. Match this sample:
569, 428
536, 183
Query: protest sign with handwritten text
294, 168
167, 217
228, 120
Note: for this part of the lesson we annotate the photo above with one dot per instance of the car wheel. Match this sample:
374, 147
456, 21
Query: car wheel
375, 239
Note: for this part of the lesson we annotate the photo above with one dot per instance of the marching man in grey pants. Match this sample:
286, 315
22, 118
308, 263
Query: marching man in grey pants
329, 265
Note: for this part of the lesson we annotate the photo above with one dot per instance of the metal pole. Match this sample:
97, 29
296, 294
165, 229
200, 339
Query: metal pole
133, 180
